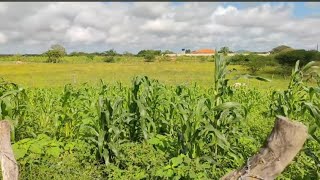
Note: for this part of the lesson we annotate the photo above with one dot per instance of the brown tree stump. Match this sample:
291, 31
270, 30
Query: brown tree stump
9, 165
283, 144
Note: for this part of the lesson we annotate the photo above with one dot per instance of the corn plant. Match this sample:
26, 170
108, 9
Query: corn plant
140, 122
301, 102
11, 100
107, 132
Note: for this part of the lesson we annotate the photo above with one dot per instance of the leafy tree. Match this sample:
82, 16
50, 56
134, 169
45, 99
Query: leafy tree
188, 51
239, 59
55, 53
282, 48
167, 52
79, 54
224, 50
142, 53
110, 52
256, 64
290, 57
60, 48
127, 53
54, 56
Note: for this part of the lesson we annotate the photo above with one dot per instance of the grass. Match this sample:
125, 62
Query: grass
57, 75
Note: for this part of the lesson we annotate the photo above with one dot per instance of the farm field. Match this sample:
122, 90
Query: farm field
159, 91
158, 126
172, 73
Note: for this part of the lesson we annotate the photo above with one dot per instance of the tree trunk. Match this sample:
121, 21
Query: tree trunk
9, 165
282, 145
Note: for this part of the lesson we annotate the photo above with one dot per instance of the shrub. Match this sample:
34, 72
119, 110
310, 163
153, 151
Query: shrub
164, 58
90, 56
109, 59
146, 52
55, 53
290, 57
255, 64
149, 57
54, 56
239, 59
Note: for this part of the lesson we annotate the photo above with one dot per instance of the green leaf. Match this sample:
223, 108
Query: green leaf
176, 161
227, 105
54, 151
35, 148
19, 152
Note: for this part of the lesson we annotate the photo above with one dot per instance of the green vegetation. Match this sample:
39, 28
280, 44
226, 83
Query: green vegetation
55, 53
282, 48
191, 123
289, 58
149, 130
224, 50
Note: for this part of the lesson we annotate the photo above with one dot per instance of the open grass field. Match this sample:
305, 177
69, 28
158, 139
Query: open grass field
173, 73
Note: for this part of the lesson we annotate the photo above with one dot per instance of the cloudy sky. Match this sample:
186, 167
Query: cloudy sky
127, 26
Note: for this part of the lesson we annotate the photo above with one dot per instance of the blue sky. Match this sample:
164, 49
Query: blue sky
132, 26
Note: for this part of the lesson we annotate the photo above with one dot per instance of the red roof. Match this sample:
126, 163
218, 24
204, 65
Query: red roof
204, 51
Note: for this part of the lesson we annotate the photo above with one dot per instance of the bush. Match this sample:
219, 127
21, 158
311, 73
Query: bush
289, 58
109, 59
54, 56
143, 53
239, 59
149, 57
245, 59
164, 58
254, 62
90, 56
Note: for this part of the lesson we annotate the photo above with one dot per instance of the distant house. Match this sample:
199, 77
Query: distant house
203, 51
200, 52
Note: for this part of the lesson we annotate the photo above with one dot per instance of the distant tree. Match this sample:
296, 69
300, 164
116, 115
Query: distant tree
109, 59
149, 51
110, 52
55, 53
127, 53
78, 54
167, 52
256, 63
54, 56
290, 57
90, 56
60, 48
188, 51
282, 48
224, 50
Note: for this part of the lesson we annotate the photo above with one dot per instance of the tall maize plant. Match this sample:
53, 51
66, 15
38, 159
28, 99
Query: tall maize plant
107, 131
205, 121
301, 101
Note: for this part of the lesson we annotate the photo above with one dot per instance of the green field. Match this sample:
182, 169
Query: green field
175, 123
173, 73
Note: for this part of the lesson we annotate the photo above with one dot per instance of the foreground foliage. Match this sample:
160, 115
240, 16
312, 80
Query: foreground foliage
154, 131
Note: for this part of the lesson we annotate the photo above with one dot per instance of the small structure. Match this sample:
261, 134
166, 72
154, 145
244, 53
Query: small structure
204, 51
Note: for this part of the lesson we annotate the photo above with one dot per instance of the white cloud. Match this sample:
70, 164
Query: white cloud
3, 38
84, 35
97, 26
